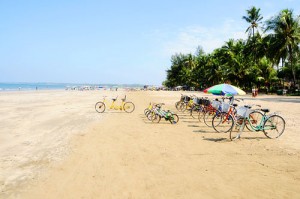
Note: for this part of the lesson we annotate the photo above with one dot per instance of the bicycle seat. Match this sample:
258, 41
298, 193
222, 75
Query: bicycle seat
235, 105
114, 99
266, 110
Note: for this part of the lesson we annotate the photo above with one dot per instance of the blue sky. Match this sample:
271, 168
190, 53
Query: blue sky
100, 41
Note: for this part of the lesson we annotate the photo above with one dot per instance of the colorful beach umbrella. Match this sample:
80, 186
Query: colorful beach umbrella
224, 89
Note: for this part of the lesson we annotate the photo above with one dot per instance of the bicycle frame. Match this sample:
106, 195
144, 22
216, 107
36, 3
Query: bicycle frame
117, 107
261, 126
258, 127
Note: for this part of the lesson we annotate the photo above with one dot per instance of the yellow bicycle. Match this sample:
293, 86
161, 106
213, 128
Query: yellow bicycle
128, 107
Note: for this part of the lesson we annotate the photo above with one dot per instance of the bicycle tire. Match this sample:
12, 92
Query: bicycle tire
182, 107
128, 107
255, 118
201, 116
274, 126
174, 119
155, 118
100, 107
220, 125
146, 110
195, 111
177, 104
208, 116
149, 114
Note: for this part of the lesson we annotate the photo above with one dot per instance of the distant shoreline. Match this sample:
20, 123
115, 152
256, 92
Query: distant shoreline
16, 86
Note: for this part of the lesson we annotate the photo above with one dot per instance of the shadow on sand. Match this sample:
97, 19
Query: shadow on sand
217, 139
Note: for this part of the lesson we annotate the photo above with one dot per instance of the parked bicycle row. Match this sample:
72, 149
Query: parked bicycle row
226, 114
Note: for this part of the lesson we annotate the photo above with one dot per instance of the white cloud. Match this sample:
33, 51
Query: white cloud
187, 39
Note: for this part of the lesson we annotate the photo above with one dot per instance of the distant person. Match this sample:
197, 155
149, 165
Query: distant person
284, 92
253, 92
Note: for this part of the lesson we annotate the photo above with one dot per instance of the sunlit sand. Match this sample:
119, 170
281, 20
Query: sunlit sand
53, 144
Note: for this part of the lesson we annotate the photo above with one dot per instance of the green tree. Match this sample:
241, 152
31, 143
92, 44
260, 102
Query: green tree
285, 38
254, 18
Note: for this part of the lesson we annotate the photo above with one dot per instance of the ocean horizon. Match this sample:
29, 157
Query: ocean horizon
15, 86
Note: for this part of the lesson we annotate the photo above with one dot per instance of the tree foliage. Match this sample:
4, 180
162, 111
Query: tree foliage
262, 60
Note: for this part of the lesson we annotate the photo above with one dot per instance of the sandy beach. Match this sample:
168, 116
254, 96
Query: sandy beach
53, 144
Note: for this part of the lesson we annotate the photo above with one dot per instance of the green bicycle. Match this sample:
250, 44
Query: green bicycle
157, 113
272, 125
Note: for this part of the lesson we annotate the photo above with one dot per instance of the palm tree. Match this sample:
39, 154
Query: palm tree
285, 39
254, 18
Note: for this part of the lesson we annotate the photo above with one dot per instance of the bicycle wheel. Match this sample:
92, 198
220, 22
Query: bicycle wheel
182, 107
274, 126
208, 116
100, 107
146, 110
255, 119
128, 107
195, 111
174, 119
150, 114
201, 116
177, 104
155, 118
222, 123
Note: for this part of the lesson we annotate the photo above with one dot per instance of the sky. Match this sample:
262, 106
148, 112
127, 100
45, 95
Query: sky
115, 41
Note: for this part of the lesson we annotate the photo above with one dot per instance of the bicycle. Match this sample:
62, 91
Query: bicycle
272, 125
197, 107
128, 107
157, 114
149, 108
149, 112
185, 103
210, 112
225, 121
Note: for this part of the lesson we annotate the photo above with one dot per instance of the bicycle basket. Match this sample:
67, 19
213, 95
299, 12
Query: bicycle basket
182, 98
197, 100
243, 111
225, 107
215, 104
187, 98
206, 102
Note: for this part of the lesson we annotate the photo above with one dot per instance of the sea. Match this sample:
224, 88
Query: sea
4, 86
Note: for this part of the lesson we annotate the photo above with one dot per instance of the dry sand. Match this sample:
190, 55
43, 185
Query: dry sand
54, 145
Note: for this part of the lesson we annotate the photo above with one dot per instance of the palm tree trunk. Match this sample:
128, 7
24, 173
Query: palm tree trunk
292, 64
254, 45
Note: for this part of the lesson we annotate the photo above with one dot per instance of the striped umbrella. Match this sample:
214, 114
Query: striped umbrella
224, 89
